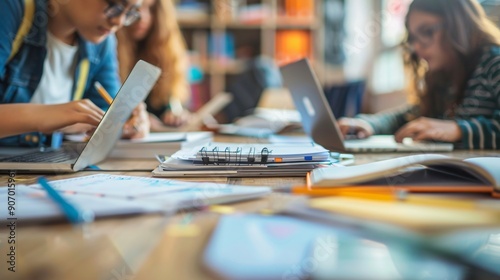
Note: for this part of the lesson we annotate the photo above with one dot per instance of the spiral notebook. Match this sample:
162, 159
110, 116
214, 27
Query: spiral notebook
244, 160
252, 153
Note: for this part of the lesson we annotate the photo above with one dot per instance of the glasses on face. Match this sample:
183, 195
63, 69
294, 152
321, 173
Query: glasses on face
424, 36
116, 9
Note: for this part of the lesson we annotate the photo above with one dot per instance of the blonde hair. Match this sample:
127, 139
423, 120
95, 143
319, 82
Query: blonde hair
469, 31
164, 47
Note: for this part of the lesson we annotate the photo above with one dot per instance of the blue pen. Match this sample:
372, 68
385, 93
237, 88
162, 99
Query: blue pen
73, 214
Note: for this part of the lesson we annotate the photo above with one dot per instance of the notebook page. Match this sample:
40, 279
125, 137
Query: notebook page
118, 186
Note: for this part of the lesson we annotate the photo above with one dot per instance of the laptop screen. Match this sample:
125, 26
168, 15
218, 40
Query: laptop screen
133, 91
317, 118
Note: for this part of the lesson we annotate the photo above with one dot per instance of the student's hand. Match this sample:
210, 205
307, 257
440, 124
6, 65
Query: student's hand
72, 117
360, 128
430, 129
176, 120
138, 124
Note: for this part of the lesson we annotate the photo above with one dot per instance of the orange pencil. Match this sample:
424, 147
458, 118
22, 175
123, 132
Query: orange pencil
380, 194
340, 190
102, 91
105, 95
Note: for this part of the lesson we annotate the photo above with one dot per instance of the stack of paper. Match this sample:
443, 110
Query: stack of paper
249, 160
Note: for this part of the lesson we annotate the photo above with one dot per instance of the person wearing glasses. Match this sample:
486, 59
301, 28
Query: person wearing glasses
454, 51
65, 47
157, 39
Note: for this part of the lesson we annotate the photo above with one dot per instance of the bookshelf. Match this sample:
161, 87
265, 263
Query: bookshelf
223, 34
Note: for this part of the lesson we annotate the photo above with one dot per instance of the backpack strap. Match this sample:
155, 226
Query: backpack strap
81, 82
29, 14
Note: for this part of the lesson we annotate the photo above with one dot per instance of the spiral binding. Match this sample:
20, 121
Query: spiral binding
228, 156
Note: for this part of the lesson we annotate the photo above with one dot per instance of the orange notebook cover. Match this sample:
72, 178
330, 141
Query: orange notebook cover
417, 173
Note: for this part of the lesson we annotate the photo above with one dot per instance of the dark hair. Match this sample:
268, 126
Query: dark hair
468, 30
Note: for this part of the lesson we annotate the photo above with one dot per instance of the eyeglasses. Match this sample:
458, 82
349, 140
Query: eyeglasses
424, 36
115, 9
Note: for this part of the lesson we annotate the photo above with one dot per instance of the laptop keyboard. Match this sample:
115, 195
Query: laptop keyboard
53, 156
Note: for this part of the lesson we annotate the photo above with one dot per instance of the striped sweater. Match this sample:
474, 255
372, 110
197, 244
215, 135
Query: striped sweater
478, 116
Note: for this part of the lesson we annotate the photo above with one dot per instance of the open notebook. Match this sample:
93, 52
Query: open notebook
417, 173
112, 195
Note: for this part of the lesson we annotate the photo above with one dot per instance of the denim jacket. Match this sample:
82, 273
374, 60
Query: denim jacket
20, 76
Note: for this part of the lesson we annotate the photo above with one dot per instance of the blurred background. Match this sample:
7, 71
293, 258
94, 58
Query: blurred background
236, 45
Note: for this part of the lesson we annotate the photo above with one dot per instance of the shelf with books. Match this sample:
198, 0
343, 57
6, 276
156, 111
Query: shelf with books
290, 24
235, 31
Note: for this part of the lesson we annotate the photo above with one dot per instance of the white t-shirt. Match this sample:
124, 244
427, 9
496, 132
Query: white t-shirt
58, 73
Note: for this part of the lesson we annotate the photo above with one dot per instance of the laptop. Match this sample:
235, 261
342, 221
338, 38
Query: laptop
72, 158
320, 124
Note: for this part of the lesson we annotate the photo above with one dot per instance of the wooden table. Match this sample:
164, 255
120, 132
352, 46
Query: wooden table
139, 247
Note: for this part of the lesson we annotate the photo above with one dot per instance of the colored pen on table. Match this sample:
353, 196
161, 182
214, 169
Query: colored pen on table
384, 194
74, 215
339, 190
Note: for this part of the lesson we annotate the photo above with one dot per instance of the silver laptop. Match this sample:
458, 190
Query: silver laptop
320, 124
73, 158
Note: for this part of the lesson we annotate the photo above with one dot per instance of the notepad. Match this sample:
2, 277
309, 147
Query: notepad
111, 195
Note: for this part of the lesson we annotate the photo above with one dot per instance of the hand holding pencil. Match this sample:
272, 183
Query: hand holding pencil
137, 126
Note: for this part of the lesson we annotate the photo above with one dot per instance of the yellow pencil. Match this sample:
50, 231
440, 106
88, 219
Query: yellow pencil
102, 91
105, 95
381, 194
404, 197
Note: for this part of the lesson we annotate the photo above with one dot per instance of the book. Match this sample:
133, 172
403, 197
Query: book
158, 143
299, 8
424, 172
114, 195
221, 46
292, 45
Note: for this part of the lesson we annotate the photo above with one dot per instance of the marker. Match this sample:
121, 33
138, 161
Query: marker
74, 215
